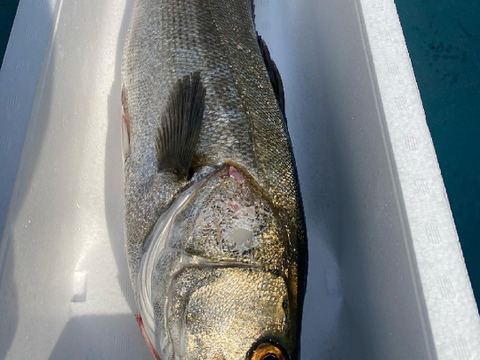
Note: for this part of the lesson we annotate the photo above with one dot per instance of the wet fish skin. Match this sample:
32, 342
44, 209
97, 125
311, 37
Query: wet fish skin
231, 265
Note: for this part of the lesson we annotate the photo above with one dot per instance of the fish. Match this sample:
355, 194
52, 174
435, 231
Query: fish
215, 232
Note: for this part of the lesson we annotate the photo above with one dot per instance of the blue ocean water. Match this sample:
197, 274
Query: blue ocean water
8, 9
443, 39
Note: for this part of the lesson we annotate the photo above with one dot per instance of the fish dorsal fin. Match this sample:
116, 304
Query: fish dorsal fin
273, 73
179, 127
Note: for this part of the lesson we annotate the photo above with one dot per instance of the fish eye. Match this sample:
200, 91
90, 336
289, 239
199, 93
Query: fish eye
268, 351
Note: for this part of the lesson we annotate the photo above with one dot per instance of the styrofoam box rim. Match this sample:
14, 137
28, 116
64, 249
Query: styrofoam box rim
428, 218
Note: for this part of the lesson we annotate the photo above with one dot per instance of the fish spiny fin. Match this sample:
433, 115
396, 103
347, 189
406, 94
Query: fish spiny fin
274, 75
179, 127
252, 7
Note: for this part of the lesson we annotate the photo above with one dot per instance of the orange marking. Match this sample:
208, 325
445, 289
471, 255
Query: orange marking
145, 336
233, 172
125, 133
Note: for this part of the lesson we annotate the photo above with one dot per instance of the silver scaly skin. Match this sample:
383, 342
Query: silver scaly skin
215, 241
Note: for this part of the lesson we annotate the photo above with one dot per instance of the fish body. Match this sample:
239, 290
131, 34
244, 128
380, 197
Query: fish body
214, 225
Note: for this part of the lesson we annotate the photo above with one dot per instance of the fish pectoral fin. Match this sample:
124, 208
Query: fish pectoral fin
274, 75
125, 125
179, 126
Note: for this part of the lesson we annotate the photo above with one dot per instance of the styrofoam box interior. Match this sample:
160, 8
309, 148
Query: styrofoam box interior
386, 273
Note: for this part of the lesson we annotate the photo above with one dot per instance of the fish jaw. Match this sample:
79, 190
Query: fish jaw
219, 249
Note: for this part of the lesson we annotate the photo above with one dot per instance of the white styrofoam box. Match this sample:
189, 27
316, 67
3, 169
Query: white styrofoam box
386, 274
18, 78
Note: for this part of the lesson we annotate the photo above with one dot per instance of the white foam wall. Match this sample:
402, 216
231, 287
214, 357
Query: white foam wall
386, 274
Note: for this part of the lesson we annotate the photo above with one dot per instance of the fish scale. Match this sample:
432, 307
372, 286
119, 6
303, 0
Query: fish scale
205, 55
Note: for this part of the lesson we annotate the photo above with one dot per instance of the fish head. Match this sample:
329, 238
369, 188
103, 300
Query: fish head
224, 284
233, 313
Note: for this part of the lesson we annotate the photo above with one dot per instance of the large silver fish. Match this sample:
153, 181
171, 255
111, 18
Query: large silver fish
214, 226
